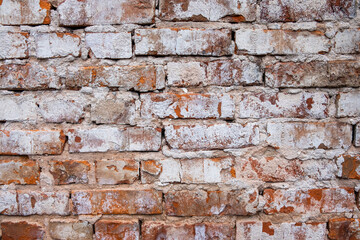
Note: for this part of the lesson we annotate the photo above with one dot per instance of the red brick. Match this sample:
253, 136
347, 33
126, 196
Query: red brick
93, 12
309, 135
209, 203
116, 171
206, 231
349, 166
29, 12
68, 230
312, 201
116, 202
70, 171
150, 171
54, 45
188, 105
344, 229
183, 41
295, 11
21, 171
313, 74
268, 105
215, 136
14, 45
248, 230
117, 230
348, 104
139, 78
208, 10
22, 231
103, 139
8, 202
31, 142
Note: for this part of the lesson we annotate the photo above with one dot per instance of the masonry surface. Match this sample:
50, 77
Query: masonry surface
179, 119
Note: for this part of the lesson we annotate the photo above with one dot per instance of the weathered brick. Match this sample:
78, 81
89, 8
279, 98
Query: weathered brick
140, 78
40, 203
188, 105
348, 104
268, 105
117, 202
31, 142
212, 136
62, 106
116, 171
349, 166
70, 230
312, 201
119, 108
249, 230
274, 42
106, 12
103, 139
357, 135
117, 230
347, 41
208, 10
313, 74
22, 230
14, 45
185, 73
8, 202
308, 10
30, 12
69, 171
309, 135
344, 228
150, 170
206, 231
208, 203
182, 41
21, 171
17, 107
53, 45
110, 45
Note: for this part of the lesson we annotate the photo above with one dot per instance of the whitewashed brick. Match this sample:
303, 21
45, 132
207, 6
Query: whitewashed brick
348, 104
52, 45
14, 45
18, 107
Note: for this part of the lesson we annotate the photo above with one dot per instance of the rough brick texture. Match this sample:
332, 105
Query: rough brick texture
70, 230
21, 230
14, 45
344, 228
116, 229
20, 171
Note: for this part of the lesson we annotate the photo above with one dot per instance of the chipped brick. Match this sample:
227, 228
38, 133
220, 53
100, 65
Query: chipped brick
68, 230
117, 229
21, 171
22, 230
70, 171
344, 228
116, 171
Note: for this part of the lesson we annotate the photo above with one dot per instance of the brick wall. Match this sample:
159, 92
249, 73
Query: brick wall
179, 119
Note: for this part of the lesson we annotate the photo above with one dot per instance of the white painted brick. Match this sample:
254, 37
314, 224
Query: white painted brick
52, 45
14, 45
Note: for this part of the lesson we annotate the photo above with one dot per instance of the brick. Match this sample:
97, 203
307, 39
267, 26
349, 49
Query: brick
269, 105
296, 11
170, 171
117, 230
182, 41
14, 45
349, 166
70, 230
209, 203
283, 42
103, 139
163, 230
92, 12
70, 171
313, 74
357, 135
347, 41
119, 108
62, 107
312, 201
348, 104
150, 170
344, 228
31, 142
22, 230
247, 230
116, 171
185, 73
41, 203
54, 45
110, 45
138, 78
21, 171
208, 10
8, 202
309, 135
29, 12
17, 107
116, 202
212, 136
188, 105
